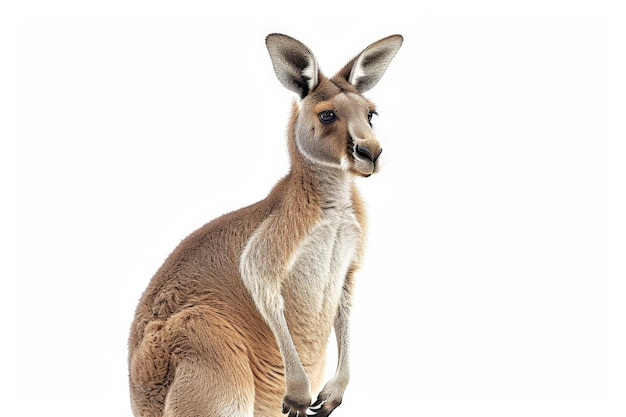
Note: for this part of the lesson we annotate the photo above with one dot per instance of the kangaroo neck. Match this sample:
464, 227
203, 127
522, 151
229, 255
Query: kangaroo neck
323, 186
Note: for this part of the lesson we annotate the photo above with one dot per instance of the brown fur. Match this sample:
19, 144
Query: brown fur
201, 343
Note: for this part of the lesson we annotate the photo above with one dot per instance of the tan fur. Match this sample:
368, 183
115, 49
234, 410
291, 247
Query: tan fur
236, 321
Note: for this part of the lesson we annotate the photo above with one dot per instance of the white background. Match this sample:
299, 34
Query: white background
494, 283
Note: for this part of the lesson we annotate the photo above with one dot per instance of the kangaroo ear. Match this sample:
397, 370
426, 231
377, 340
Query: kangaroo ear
364, 71
294, 64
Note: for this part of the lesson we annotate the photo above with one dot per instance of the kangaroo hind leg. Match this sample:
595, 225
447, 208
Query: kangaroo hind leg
201, 390
212, 376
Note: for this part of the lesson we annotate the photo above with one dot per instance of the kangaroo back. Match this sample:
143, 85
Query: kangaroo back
236, 321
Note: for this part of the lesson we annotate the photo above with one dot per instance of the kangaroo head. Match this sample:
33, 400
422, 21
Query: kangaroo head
332, 123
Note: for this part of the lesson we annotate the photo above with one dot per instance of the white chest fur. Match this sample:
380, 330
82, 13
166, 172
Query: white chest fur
320, 264
312, 276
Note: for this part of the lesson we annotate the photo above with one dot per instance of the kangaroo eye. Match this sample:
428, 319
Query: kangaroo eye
327, 116
371, 114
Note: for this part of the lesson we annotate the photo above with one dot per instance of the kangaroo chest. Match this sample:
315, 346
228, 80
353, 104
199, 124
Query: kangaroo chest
321, 262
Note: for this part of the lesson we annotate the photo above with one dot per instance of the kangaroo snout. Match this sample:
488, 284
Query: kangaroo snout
366, 152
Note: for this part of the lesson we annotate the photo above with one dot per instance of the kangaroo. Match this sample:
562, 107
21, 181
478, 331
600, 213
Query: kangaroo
236, 321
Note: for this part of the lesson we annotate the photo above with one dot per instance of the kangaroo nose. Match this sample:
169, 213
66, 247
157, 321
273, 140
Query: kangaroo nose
366, 153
